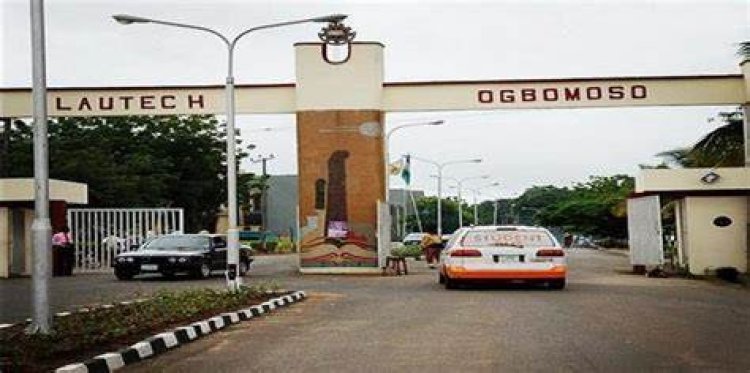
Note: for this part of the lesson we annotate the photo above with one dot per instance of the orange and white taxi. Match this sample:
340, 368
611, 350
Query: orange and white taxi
503, 253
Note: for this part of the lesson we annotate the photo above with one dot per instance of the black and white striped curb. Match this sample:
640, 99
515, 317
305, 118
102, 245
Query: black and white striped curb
163, 342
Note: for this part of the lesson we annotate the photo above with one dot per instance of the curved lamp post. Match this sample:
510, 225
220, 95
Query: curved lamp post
233, 279
386, 145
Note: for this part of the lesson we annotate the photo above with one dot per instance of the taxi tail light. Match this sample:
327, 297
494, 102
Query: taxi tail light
550, 253
472, 253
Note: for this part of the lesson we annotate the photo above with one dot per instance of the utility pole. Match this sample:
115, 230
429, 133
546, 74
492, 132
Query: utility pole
263, 160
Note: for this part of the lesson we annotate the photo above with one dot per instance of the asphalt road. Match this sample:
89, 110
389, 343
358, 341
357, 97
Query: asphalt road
604, 320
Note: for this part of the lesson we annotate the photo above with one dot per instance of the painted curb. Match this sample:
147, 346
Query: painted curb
163, 342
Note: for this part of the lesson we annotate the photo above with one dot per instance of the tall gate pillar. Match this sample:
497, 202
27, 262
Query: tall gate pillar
340, 157
745, 66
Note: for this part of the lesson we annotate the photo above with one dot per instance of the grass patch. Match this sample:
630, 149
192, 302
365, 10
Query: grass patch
80, 336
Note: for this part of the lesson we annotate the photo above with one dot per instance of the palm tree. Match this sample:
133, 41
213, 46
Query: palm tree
722, 147
744, 49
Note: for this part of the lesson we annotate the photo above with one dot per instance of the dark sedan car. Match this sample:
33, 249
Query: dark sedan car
195, 254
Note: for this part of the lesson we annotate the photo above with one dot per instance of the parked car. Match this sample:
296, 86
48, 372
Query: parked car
194, 254
412, 239
503, 253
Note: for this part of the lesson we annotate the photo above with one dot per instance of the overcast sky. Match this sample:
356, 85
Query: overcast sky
424, 41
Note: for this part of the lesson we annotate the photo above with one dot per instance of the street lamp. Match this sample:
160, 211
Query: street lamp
263, 160
477, 192
386, 147
234, 281
41, 230
459, 183
440, 167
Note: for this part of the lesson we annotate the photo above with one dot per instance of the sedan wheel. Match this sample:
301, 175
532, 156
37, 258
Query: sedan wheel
204, 271
243, 268
123, 275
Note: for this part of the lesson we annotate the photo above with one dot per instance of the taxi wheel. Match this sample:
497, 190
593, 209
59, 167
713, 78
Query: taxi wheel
557, 284
450, 284
123, 275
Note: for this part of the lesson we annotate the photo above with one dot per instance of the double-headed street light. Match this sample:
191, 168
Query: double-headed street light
233, 279
440, 167
477, 192
459, 183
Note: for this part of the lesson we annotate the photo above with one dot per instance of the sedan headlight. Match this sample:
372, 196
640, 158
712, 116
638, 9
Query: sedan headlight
129, 259
183, 260
172, 259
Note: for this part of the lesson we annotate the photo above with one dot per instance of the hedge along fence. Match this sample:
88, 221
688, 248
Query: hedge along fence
80, 335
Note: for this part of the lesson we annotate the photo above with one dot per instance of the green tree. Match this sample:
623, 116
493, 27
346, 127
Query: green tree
138, 161
427, 207
743, 50
722, 147
596, 207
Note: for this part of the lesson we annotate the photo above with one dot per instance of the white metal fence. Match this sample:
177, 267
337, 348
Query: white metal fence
100, 234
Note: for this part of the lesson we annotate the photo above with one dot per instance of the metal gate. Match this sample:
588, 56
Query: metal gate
100, 234
645, 231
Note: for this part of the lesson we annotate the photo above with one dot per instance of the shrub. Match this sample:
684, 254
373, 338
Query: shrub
413, 251
285, 245
82, 335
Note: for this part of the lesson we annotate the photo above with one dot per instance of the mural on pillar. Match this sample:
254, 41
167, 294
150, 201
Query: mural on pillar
340, 158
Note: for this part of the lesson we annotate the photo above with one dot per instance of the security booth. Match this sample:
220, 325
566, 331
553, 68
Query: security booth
17, 214
710, 215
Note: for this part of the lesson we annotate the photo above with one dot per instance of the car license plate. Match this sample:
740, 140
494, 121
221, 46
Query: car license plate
149, 267
506, 258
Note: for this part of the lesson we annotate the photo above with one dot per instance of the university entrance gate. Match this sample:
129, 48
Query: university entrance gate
340, 110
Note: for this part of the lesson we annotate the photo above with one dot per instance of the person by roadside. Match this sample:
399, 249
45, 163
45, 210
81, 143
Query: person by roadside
62, 253
567, 240
431, 245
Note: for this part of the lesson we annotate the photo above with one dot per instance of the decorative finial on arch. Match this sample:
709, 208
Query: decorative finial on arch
336, 33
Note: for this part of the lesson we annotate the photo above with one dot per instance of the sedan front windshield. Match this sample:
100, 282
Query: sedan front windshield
183, 243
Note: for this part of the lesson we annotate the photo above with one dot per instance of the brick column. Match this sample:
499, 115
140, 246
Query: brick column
340, 158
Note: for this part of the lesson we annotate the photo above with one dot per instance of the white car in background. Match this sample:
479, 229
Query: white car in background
503, 253
412, 239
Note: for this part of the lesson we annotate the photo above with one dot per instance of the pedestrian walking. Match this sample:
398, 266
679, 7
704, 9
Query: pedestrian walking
62, 253
567, 240
431, 245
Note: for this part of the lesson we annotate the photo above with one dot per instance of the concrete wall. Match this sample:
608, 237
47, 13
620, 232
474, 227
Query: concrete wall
708, 246
22, 189
15, 234
28, 220
282, 204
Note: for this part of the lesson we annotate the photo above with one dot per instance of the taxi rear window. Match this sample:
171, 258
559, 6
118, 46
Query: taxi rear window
517, 238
